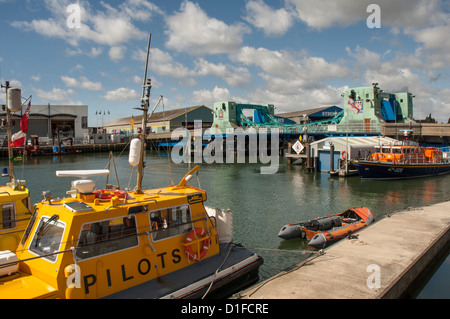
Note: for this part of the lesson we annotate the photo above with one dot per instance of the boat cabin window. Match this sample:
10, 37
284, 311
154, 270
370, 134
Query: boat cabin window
386, 150
47, 237
170, 222
397, 150
107, 236
8, 216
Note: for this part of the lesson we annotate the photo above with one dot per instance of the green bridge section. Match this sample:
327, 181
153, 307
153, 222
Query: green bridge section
365, 109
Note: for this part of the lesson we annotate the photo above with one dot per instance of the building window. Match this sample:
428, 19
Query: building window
84, 122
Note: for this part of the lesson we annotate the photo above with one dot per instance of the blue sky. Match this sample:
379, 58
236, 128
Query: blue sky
295, 54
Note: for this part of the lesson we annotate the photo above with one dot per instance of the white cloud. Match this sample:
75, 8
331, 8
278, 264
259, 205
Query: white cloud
137, 79
56, 95
274, 62
93, 52
122, 95
272, 22
434, 38
117, 53
208, 97
36, 78
284, 71
403, 13
106, 26
234, 76
81, 83
162, 63
364, 57
192, 31
140, 10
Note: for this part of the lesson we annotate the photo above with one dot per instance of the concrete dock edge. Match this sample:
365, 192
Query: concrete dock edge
387, 261
418, 270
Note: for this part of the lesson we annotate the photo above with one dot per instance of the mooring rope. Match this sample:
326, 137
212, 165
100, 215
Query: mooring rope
303, 251
217, 271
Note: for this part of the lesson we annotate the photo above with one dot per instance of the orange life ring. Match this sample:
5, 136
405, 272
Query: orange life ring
109, 193
195, 233
344, 154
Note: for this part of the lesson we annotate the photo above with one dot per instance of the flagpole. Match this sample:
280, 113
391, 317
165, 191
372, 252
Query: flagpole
8, 121
27, 114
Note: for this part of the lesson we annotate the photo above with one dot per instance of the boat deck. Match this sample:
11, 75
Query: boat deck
196, 278
385, 261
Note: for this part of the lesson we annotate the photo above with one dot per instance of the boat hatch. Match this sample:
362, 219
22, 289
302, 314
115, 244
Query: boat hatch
77, 207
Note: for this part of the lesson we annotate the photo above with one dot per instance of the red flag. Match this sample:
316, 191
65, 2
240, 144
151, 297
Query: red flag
18, 139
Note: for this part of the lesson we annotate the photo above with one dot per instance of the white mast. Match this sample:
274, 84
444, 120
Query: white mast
146, 87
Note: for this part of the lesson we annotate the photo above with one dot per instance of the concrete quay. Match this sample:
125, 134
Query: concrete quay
386, 261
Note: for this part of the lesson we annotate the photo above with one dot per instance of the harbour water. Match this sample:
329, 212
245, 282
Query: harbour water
261, 204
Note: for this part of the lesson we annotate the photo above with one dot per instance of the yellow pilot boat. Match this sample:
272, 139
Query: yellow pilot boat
15, 214
14, 196
159, 243
153, 243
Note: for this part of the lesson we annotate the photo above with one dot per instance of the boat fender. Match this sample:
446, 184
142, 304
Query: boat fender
196, 233
135, 152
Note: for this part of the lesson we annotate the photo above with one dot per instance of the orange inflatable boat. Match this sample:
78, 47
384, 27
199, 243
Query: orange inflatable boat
324, 231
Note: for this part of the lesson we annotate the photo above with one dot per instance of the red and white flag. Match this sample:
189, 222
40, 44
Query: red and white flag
18, 139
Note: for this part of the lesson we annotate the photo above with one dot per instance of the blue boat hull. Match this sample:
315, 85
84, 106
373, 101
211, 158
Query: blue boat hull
383, 170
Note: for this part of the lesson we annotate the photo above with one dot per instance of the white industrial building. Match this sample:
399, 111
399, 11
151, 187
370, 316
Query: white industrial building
47, 121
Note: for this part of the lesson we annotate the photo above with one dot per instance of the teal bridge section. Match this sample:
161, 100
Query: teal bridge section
230, 116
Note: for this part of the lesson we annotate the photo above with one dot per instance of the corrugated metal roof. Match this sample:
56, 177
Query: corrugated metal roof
307, 112
156, 117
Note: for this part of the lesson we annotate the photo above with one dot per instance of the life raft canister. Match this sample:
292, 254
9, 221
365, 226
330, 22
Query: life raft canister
344, 154
196, 233
109, 193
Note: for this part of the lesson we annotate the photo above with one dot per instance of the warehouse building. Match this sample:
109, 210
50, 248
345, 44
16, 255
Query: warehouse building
46, 122
162, 122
